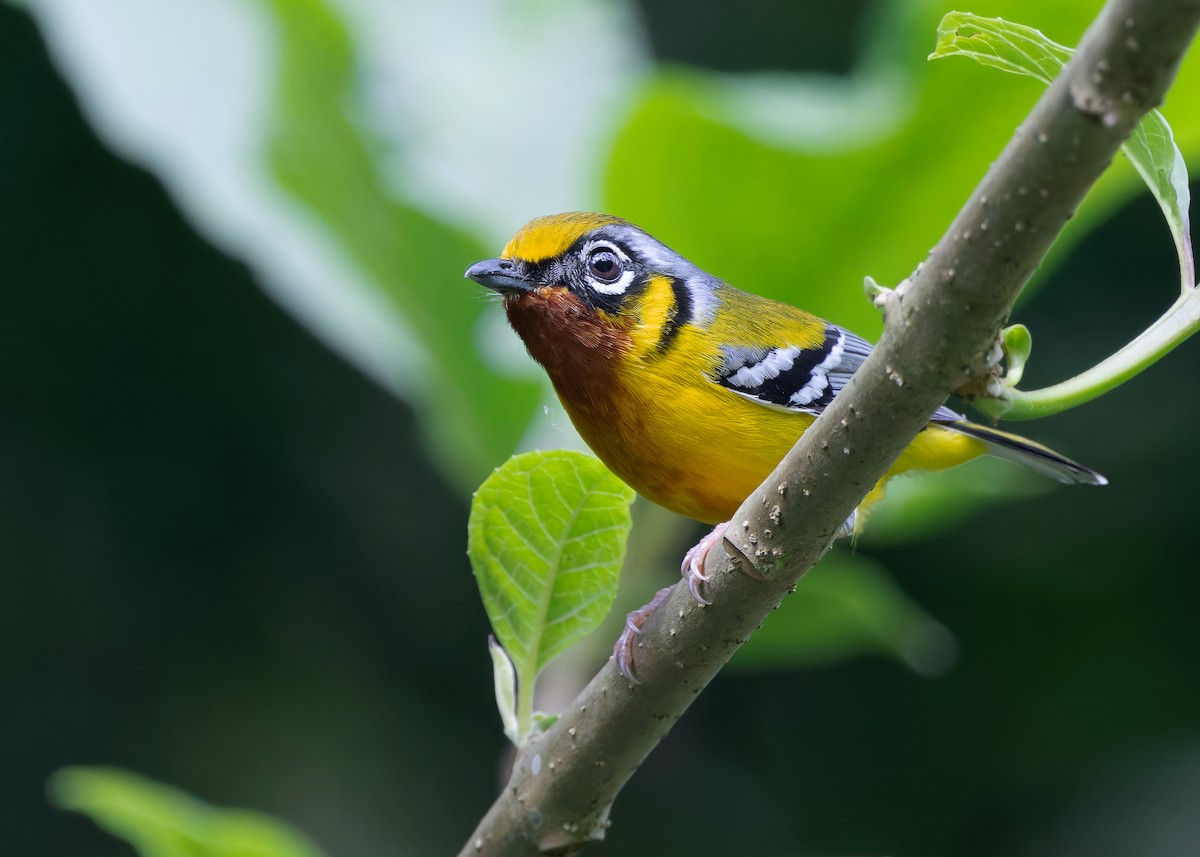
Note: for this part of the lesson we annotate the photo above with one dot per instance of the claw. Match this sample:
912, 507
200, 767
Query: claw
623, 648
693, 562
692, 570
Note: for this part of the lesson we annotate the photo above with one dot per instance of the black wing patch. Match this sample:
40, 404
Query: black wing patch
799, 379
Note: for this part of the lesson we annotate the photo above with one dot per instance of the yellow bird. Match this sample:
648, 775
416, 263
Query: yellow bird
688, 389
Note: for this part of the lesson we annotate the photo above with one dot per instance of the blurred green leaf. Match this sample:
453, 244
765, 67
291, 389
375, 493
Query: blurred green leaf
1151, 147
800, 220
844, 608
325, 160
546, 539
161, 821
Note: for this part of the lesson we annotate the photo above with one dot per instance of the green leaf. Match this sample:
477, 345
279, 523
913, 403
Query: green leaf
330, 164
1152, 151
844, 608
543, 721
1151, 147
504, 677
1000, 44
546, 538
161, 821
1018, 345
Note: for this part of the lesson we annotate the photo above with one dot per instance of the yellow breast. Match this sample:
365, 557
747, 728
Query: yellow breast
677, 437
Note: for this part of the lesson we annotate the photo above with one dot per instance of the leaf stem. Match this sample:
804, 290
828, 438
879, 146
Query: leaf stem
1179, 322
525, 700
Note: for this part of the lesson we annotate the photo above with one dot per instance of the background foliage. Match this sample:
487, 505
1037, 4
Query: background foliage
234, 564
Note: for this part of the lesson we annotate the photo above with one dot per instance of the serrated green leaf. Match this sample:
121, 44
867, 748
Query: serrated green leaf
844, 608
1151, 148
161, 821
546, 538
1000, 44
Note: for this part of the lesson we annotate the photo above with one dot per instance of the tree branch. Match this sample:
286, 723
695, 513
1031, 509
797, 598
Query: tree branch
940, 327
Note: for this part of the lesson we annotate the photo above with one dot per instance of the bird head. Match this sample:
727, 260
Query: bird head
599, 261
581, 289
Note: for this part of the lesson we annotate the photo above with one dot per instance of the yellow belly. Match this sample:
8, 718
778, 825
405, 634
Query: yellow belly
701, 449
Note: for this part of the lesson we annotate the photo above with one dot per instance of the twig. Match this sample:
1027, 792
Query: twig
940, 327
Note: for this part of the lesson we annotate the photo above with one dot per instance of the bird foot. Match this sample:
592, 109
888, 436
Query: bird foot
623, 648
693, 562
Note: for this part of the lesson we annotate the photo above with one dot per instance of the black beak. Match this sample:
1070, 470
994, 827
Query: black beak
501, 275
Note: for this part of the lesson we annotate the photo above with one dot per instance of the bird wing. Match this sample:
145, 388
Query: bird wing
798, 378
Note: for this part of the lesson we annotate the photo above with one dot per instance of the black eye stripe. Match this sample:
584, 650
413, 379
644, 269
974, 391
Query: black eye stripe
570, 270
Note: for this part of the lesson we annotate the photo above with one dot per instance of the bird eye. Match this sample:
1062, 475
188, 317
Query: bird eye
604, 265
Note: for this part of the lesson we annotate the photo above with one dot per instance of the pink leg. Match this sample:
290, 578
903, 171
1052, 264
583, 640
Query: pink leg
623, 648
693, 572
693, 562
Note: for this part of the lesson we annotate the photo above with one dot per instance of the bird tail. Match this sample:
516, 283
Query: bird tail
1043, 459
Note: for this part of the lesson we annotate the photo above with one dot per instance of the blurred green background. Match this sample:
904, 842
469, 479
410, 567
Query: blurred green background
245, 395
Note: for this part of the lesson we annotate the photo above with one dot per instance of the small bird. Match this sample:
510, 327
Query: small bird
688, 389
